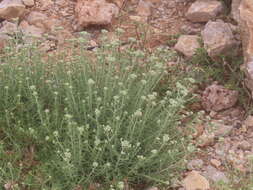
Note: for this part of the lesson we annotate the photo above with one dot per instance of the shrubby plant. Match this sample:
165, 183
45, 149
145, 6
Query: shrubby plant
79, 118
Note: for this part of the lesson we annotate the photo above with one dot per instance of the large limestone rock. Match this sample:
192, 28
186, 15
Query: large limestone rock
246, 27
217, 98
195, 181
218, 38
94, 12
11, 9
203, 11
187, 44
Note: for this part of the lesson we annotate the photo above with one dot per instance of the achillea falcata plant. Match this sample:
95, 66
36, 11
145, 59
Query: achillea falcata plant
79, 119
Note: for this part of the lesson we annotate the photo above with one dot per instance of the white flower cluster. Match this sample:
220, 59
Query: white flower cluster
67, 155
138, 113
125, 144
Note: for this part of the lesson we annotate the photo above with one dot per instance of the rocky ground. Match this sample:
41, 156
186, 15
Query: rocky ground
224, 134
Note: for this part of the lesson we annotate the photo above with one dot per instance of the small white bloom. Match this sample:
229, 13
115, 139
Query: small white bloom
143, 97
80, 129
166, 138
152, 73
68, 116
107, 128
115, 98
56, 134
163, 102
143, 81
91, 82
123, 92
120, 30
133, 76
47, 138
31, 130
33, 87
154, 151
125, 144
97, 112
97, 142
46, 110
95, 164
67, 155
168, 93
104, 31
120, 185
138, 113
131, 39
140, 157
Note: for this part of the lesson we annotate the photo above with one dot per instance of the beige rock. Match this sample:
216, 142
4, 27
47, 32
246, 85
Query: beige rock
137, 18
28, 3
187, 44
119, 3
195, 164
203, 11
144, 8
246, 28
245, 145
11, 9
94, 12
37, 19
221, 130
30, 30
215, 175
206, 139
195, 181
8, 28
218, 38
235, 10
191, 28
249, 121
3, 41
40, 20
215, 163
217, 98
45, 4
